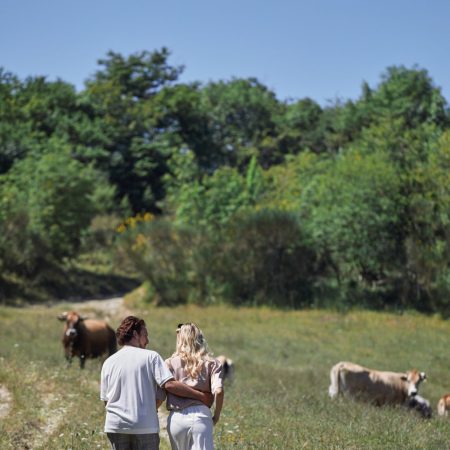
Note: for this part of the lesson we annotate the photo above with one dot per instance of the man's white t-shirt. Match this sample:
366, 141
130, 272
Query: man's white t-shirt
129, 381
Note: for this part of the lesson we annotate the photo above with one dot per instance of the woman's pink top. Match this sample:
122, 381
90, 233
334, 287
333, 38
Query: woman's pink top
209, 379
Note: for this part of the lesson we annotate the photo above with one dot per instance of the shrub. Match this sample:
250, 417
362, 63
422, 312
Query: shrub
158, 251
45, 206
264, 260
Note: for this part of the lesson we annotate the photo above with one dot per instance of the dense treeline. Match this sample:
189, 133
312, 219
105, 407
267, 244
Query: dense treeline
221, 192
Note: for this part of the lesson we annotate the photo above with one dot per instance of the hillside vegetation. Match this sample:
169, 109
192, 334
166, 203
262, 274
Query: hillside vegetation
278, 399
222, 193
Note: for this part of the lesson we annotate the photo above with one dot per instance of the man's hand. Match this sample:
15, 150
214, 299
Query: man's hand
183, 390
208, 399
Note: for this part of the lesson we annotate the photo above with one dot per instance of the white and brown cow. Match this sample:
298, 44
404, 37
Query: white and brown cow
374, 386
443, 406
86, 338
421, 405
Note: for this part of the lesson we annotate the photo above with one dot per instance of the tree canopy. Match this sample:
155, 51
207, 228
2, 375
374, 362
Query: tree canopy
360, 187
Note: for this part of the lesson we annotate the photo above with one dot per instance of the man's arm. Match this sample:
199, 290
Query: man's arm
183, 390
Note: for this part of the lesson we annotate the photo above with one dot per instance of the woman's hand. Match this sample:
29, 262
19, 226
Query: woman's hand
215, 418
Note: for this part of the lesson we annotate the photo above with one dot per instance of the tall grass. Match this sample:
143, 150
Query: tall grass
278, 399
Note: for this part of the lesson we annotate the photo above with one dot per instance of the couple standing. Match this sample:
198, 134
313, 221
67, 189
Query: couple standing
135, 382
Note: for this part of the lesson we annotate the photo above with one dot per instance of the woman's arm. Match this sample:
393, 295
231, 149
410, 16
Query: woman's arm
183, 390
219, 396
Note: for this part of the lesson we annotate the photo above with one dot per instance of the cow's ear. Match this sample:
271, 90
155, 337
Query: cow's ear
423, 376
404, 378
82, 317
62, 316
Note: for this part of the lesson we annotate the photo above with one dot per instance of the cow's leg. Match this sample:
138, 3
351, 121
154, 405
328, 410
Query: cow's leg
82, 361
333, 389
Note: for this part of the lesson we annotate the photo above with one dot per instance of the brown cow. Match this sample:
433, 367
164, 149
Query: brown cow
443, 406
228, 367
86, 338
374, 386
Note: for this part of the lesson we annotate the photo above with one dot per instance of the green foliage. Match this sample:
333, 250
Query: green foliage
223, 123
352, 215
46, 204
341, 123
30, 113
428, 248
300, 127
122, 97
407, 94
366, 179
137, 76
260, 258
263, 259
210, 201
240, 115
414, 155
160, 253
285, 183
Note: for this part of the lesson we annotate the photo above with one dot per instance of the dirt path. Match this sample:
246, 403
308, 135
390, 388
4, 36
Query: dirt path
110, 309
5, 401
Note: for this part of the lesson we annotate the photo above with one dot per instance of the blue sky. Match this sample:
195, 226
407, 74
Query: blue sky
322, 49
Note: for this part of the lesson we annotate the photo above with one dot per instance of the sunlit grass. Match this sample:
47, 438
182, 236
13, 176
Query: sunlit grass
278, 399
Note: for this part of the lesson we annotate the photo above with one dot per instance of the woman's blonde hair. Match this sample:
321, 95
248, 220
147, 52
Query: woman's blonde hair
192, 348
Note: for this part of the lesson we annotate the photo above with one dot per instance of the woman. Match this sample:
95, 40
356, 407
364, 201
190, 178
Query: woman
190, 423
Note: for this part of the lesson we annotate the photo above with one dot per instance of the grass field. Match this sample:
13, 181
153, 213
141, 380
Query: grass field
278, 399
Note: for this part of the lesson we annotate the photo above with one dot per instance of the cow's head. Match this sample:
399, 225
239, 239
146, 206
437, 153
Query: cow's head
413, 378
72, 321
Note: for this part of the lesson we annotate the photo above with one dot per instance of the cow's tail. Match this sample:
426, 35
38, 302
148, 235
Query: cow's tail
441, 407
333, 389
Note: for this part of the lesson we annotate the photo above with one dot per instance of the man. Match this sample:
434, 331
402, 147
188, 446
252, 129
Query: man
131, 383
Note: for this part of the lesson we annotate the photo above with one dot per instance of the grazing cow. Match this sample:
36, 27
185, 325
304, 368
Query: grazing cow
443, 406
421, 405
377, 387
86, 338
228, 367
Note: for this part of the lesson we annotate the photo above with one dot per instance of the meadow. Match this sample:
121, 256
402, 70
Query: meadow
278, 398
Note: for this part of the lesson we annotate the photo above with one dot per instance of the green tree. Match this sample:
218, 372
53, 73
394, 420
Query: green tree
406, 94
427, 225
263, 258
122, 98
46, 205
211, 201
30, 112
351, 213
240, 117
285, 183
300, 127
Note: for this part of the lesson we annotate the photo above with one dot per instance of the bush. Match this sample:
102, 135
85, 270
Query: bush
259, 258
264, 260
45, 206
158, 251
